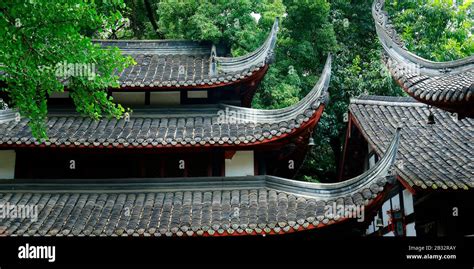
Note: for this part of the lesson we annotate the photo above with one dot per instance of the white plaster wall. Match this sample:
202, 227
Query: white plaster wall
129, 98
376, 228
7, 164
197, 94
408, 202
372, 161
396, 202
165, 98
370, 229
241, 164
411, 229
385, 208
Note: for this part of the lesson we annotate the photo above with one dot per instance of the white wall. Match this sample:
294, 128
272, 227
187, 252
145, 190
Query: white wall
411, 229
396, 202
389, 234
129, 98
385, 208
165, 98
7, 164
241, 164
197, 94
408, 202
371, 228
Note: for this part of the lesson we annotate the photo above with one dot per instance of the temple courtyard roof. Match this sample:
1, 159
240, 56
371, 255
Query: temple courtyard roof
431, 156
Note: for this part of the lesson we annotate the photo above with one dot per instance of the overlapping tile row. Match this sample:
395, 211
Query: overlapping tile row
222, 125
167, 71
171, 64
447, 85
189, 206
233, 212
449, 88
437, 156
142, 131
165, 128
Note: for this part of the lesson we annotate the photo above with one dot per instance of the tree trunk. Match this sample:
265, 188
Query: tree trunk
151, 16
335, 143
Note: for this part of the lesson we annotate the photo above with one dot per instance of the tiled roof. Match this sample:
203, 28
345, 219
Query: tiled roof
7, 115
437, 156
170, 64
221, 125
187, 206
447, 85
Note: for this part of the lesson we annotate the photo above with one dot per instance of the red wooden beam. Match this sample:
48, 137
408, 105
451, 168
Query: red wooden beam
346, 144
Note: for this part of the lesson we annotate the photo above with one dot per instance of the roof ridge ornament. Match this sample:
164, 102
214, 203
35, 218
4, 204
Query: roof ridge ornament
262, 56
7, 114
212, 62
271, 53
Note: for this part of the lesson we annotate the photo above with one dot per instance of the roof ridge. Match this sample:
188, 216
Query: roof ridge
387, 101
394, 45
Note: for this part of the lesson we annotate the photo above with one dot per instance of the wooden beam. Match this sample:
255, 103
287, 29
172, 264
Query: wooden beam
229, 154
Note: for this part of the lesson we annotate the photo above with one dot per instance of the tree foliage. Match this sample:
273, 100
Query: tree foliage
438, 30
45, 44
357, 69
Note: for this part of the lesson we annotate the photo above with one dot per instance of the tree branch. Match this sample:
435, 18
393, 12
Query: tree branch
151, 16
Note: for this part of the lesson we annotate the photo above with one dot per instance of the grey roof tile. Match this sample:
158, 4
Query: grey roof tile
191, 126
185, 206
175, 63
433, 155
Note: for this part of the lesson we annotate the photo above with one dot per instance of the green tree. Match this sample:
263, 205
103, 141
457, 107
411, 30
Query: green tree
227, 23
45, 45
305, 38
357, 69
438, 30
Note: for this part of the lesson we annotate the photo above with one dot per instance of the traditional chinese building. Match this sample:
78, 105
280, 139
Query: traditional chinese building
434, 170
192, 159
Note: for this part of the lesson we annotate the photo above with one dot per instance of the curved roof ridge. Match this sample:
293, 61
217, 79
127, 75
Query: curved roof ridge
395, 47
446, 85
261, 56
312, 100
380, 171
